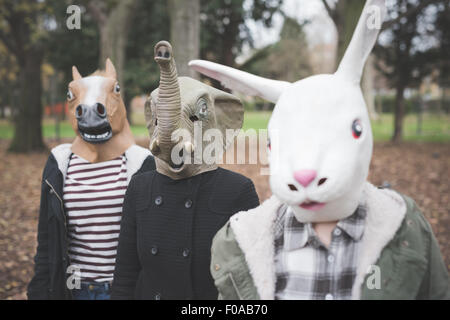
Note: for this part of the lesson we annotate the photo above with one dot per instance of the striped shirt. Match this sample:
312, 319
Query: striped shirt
93, 197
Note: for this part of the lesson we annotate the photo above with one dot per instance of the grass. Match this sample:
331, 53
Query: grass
435, 128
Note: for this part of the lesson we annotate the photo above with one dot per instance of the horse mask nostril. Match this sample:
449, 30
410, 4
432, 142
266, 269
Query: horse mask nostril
79, 111
101, 109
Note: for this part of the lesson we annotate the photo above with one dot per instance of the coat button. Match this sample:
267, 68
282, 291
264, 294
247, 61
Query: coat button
216, 267
51, 191
188, 203
154, 250
186, 253
158, 200
158, 296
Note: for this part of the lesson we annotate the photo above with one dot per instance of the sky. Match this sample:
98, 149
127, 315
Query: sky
319, 30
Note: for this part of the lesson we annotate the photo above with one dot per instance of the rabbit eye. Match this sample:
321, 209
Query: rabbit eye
356, 129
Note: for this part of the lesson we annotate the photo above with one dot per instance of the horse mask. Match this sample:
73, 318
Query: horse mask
98, 115
183, 105
321, 139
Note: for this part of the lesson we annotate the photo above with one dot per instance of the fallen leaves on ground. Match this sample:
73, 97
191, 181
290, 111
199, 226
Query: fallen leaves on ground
420, 171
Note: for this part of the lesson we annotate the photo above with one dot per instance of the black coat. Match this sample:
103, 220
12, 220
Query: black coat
52, 259
167, 229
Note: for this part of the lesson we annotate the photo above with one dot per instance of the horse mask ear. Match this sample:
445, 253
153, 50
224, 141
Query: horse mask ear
363, 40
110, 71
241, 81
75, 74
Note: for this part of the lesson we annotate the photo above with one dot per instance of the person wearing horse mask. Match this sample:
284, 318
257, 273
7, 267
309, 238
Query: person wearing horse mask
83, 188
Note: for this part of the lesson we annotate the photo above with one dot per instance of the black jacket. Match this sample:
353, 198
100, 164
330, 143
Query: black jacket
167, 229
52, 259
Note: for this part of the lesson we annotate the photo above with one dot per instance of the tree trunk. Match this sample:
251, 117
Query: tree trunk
114, 27
28, 118
185, 34
399, 114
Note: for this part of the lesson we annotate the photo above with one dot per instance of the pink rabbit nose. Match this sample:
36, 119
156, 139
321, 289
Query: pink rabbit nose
305, 177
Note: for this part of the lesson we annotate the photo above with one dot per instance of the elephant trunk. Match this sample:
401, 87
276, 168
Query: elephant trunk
168, 106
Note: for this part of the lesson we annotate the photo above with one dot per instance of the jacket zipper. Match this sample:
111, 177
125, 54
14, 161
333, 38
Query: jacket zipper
65, 222
60, 201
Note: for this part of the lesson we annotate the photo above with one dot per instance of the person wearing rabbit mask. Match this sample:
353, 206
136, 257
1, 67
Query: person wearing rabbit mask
82, 192
326, 233
171, 214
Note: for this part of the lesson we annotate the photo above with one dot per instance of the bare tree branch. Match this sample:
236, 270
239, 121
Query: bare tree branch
331, 12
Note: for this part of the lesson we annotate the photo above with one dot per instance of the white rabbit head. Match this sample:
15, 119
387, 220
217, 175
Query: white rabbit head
321, 139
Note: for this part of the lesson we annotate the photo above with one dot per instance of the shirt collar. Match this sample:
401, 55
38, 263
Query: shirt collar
296, 234
353, 225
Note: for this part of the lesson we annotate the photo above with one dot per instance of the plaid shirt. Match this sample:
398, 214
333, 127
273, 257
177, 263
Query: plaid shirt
305, 268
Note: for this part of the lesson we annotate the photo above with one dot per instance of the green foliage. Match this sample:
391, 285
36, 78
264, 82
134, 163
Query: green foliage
67, 48
288, 59
223, 26
150, 25
406, 57
412, 105
443, 35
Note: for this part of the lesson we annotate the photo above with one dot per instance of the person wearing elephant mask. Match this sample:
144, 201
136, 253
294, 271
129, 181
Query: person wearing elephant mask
171, 215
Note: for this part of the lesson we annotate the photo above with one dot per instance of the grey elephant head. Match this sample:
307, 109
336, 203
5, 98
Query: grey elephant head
179, 105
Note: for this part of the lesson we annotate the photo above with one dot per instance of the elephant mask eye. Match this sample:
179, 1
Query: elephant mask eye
202, 107
201, 110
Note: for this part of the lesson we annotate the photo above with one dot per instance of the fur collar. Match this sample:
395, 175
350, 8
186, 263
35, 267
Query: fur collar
135, 158
254, 233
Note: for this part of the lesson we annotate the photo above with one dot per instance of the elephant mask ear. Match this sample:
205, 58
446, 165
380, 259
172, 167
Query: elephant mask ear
229, 113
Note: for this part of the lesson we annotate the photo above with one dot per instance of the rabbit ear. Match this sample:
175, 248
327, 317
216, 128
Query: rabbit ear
363, 40
241, 81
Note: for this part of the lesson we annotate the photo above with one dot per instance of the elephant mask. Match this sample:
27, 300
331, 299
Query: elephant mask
179, 109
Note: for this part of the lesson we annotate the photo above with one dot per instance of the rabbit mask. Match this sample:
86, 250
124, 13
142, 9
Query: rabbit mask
320, 135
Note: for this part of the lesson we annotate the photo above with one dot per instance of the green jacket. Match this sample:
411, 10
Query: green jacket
400, 258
